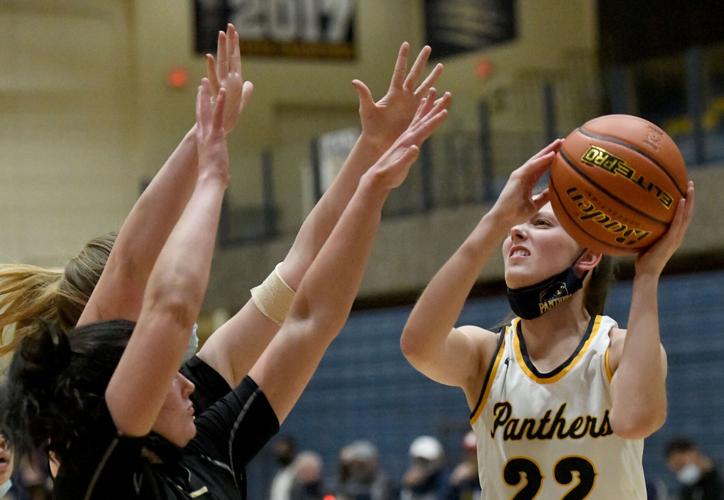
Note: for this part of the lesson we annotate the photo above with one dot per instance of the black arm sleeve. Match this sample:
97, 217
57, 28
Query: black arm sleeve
210, 385
236, 427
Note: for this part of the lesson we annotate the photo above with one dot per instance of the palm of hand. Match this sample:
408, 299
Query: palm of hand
386, 119
392, 168
383, 121
233, 84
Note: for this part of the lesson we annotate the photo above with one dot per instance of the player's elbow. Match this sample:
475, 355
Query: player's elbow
408, 346
637, 425
177, 306
412, 348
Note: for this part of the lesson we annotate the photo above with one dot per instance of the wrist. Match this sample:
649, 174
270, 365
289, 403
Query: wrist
497, 221
377, 145
646, 278
373, 187
214, 178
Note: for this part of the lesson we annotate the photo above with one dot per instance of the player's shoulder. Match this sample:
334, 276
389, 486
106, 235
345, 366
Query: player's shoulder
479, 333
486, 340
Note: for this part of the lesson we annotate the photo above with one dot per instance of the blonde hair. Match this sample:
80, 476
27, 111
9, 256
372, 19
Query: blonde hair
29, 293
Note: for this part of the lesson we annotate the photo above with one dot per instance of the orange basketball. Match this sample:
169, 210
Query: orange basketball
616, 182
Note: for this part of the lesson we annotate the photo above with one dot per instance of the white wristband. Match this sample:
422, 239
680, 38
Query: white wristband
273, 297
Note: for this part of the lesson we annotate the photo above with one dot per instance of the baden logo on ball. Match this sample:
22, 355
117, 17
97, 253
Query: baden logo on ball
615, 183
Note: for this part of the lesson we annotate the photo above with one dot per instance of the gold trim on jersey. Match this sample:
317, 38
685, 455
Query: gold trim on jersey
567, 365
607, 365
489, 379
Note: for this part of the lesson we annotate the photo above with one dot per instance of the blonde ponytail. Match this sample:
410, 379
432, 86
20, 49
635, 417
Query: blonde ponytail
26, 293
29, 293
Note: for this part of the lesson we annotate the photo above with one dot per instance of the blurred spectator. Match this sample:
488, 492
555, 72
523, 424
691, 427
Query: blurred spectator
30, 478
696, 472
360, 476
425, 479
464, 482
284, 450
6, 467
307, 483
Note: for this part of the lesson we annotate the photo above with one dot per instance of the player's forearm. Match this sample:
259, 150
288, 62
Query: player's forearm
440, 305
159, 207
184, 263
639, 384
236, 345
142, 236
321, 220
330, 285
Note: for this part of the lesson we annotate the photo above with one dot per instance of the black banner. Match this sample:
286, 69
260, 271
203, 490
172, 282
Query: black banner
280, 28
459, 26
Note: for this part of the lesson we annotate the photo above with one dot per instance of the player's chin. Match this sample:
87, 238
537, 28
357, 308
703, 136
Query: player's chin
189, 434
517, 276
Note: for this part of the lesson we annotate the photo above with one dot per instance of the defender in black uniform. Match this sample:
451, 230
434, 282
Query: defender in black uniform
107, 398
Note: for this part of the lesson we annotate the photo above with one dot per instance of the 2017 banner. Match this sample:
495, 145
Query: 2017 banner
458, 26
322, 29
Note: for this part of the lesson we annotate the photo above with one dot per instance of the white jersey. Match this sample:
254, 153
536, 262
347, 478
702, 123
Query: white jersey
548, 435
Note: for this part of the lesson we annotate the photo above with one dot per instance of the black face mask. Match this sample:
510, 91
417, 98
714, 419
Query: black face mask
532, 301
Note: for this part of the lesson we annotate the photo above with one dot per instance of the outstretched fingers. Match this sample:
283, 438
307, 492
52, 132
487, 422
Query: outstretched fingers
430, 107
541, 199
217, 121
211, 73
683, 216
553, 146
247, 90
430, 80
232, 37
426, 104
398, 74
426, 127
203, 106
222, 57
533, 169
364, 93
417, 68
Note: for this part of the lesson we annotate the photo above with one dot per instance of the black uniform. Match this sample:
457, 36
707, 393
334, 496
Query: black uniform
232, 426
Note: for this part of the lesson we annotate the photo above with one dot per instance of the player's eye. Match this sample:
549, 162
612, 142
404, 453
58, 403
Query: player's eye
541, 222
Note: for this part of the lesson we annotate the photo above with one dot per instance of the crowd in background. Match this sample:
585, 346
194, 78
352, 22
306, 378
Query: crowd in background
360, 476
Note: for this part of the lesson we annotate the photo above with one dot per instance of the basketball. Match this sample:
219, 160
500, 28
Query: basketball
616, 182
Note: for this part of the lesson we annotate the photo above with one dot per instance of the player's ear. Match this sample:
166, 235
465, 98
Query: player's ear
587, 261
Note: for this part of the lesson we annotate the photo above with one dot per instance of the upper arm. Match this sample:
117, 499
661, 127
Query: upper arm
461, 358
235, 346
118, 293
153, 353
615, 351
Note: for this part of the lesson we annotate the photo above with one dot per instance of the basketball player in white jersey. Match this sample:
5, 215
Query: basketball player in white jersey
562, 399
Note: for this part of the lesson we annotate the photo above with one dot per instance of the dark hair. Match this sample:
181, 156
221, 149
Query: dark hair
56, 385
678, 445
595, 293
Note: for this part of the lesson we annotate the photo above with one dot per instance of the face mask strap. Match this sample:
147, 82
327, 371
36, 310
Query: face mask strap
534, 300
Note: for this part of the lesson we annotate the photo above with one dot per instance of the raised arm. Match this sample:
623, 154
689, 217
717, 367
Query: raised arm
329, 287
176, 286
234, 347
638, 359
450, 355
119, 291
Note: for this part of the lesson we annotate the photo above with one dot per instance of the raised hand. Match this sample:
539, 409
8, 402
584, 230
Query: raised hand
653, 260
383, 121
392, 168
224, 71
516, 202
211, 142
